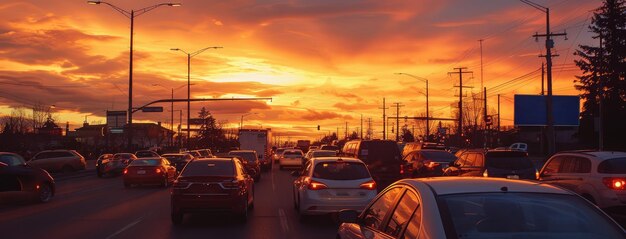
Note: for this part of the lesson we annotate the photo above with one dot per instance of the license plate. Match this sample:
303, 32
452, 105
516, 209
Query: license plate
512, 176
141, 171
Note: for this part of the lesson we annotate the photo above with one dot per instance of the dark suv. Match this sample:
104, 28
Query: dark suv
493, 163
382, 158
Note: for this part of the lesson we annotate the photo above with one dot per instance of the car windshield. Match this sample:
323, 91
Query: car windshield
525, 215
613, 166
145, 162
292, 154
248, 156
11, 160
440, 156
204, 153
322, 153
379, 150
510, 163
340, 171
144, 154
173, 157
209, 168
123, 156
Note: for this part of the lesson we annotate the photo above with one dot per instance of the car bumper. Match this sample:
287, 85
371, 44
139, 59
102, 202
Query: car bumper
206, 203
291, 162
313, 204
611, 199
148, 179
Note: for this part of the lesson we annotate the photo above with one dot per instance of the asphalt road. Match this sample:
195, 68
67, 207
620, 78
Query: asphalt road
89, 207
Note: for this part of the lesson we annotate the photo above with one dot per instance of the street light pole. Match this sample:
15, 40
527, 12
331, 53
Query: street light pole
132, 16
427, 110
189, 56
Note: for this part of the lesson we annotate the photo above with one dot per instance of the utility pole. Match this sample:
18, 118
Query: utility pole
460, 126
481, 63
369, 128
543, 71
498, 119
549, 45
384, 120
485, 115
346, 130
398, 105
361, 126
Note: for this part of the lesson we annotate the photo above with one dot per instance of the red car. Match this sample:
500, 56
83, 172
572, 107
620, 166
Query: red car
212, 185
149, 171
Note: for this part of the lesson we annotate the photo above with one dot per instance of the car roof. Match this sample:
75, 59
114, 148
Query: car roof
175, 154
293, 150
324, 151
598, 154
335, 159
242, 151
212, 159
459, 185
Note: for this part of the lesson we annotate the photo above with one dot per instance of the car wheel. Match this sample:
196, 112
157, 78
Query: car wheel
165, 181
44, 193
67, 169
177, 218
243, 217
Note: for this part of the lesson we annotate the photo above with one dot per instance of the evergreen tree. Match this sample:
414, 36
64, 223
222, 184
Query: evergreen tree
407, 135
604, 73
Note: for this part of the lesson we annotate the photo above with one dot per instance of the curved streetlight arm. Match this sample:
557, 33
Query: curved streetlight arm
202, 50
414, 76
136, 12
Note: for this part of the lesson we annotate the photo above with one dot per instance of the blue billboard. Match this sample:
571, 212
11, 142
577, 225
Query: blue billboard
530, 110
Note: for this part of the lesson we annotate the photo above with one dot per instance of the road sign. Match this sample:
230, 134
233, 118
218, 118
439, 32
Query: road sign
197, 121
152, 109
530, 110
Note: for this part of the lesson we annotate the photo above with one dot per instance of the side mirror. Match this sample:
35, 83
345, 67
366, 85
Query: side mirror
347, 216
295, 173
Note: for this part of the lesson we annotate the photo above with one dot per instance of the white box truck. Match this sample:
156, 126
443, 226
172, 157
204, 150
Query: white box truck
259, 141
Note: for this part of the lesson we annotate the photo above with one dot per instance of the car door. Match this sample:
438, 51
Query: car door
573, 170
41, 160
550, 171
15, 176
468, 168
370, 223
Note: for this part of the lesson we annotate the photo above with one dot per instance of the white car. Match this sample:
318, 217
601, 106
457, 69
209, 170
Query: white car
600, 177
330, 184
475, 207
519, 147
291, 158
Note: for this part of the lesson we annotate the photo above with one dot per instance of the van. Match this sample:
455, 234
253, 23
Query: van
382, 158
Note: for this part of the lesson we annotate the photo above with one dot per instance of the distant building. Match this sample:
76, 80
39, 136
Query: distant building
145, 135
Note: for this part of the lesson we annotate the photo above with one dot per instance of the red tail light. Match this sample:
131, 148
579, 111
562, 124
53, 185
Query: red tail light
125, 171
401, 169
157, 170
615, 183
314, 185
232, 184
371, 185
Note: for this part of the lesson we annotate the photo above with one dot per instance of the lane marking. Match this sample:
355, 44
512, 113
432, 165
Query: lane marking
283, 220
126, 227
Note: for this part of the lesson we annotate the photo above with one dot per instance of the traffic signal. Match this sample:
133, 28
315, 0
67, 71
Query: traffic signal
318, 127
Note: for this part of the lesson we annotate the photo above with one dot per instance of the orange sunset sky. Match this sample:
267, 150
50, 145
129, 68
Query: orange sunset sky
324, 62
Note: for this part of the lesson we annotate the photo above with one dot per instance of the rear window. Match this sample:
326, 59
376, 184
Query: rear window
613, 166
292, 153
122, 156
329, 147
248, 156
324, 153
379, 150
209, 168
144, 154
510, 163
173, 158
440, 156
340, 171
145, 162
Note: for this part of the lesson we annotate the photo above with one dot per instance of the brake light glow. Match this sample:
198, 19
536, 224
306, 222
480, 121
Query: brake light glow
315, 185
536, 174
125, 171
232, 184
371, 185
158, 170
615, 183
485, 174
401, 169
